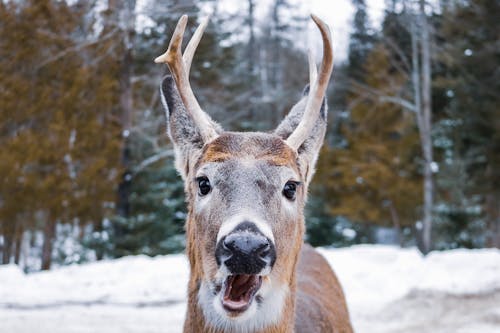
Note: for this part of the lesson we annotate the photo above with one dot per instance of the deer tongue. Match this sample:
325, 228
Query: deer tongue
239, 292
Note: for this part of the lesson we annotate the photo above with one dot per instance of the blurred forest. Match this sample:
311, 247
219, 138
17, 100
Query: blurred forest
412, 154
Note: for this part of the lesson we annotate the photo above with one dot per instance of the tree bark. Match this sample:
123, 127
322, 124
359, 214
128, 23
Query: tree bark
251, 42
276, 63
126, 110
422, 89
492, 210
426, 132
49, 233
124, 15
18, 241
7, 248
492, 221
396, 222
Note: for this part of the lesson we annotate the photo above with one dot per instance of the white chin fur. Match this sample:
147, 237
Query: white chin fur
255, 318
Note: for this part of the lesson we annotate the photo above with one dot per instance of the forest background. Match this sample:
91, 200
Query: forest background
86, 169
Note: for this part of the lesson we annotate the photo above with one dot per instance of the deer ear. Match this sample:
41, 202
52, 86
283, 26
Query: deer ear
182, 130
309, 150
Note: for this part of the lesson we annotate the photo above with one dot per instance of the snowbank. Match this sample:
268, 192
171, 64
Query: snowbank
134, 280
375, 275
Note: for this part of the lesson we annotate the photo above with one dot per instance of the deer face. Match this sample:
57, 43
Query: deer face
246, 193
247, 209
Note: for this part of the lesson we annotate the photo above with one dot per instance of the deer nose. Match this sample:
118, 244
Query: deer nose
245, 252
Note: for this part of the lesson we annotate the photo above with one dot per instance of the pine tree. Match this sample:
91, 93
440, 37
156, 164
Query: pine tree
361, 41
55, 115
155, 215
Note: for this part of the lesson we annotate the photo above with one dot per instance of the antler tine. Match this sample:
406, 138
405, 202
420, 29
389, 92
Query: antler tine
313, 70
179, 67
175, 43
193, 43
317, 90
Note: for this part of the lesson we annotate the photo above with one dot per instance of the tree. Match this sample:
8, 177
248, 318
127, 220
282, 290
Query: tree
468, 82
153, 223
53, 132
361, 41
374, 178
414, 95
422, 96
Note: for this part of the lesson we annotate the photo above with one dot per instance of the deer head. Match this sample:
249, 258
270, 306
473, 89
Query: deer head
246, 194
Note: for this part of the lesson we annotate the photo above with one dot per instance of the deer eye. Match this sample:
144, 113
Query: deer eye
290, 189
204, 186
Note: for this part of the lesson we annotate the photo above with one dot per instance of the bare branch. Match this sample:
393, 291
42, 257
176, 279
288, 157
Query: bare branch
400, 101
383, 97
152, 159
75, 48
396, 48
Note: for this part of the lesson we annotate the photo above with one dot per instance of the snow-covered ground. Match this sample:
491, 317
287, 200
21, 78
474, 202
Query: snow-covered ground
388, 290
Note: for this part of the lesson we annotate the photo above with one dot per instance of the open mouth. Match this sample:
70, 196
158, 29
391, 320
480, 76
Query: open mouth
239, 292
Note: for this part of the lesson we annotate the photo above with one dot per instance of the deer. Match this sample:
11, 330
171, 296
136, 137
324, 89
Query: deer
250, 270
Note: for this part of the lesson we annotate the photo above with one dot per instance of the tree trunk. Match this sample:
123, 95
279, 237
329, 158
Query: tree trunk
252, 55
124, 13
126, 109
396, 222
426, 132
7, 248
276, 66
49, 232
18, 241
492, 221
251, 42
99, 250
421, 80
492, 210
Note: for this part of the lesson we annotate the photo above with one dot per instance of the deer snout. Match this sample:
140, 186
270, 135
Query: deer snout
245, 250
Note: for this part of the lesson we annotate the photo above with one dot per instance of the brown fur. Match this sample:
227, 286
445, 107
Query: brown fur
321, 305
230, 145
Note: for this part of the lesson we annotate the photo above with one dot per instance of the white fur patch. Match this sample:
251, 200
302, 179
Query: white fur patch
233, 222
256, 318
290, 208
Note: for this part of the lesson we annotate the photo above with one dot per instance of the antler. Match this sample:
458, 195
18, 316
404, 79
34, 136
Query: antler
180, 66
317, 88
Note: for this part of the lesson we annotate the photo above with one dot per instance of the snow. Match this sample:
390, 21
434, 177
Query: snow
375, 275
134, 280
388, 290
